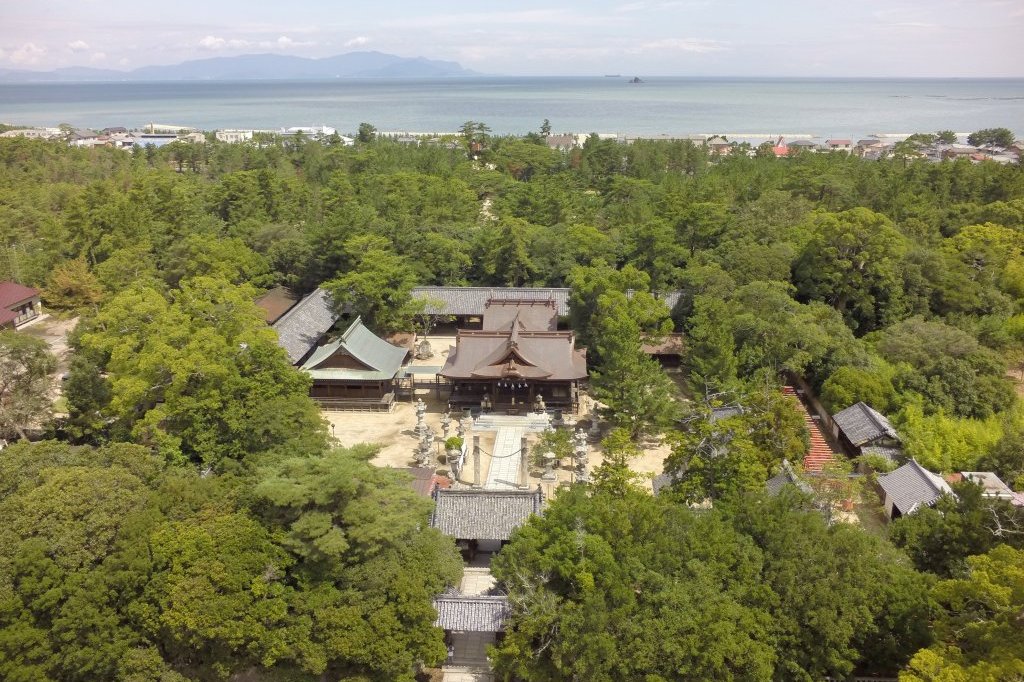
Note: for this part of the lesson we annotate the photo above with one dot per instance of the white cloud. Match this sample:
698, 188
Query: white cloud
357, 41
29, 53
218, 43
659, 6
212, 43
681, 45
78, 46
97, 57
506, 19
284, 42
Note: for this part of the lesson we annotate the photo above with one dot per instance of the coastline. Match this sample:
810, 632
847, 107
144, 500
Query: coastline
661, 106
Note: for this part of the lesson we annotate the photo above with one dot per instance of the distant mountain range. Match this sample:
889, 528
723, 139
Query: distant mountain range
256, 67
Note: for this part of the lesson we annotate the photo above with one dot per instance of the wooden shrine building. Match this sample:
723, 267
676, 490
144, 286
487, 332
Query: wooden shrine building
518, 356
355, 371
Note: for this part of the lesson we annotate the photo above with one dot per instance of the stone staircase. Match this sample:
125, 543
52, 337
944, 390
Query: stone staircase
530, 423
820, 453
467, 673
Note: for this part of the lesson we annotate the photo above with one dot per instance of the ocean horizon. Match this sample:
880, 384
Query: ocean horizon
672, 106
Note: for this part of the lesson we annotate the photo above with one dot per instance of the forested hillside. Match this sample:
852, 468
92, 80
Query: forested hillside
189, 518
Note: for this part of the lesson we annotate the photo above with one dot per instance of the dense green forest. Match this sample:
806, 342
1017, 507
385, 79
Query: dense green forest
189, 518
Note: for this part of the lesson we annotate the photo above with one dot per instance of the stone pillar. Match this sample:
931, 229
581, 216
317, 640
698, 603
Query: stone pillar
476, 461
524, 465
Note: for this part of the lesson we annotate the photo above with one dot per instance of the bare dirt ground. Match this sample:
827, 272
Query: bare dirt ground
1018, 380
54, 331
394, 432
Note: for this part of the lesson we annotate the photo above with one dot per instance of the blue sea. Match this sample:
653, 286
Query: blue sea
659, 106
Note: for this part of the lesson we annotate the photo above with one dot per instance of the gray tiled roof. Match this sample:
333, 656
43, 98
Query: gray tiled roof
862, 424
382, 360
662, 481
471, 614
473, 300
483, 514
725, 412
893, 454
911, 486
299, 330
786, 476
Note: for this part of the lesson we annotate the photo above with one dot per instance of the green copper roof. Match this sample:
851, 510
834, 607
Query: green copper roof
381, 359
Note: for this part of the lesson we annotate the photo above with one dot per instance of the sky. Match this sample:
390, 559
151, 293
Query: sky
882, 38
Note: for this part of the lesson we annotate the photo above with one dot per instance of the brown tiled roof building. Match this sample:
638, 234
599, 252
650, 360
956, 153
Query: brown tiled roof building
518, 355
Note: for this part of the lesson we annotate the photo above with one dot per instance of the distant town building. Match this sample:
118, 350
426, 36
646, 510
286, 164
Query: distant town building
233, 136
154, 128
315, 132
839, 145
155, 139
562, 143
34, 133
803, 145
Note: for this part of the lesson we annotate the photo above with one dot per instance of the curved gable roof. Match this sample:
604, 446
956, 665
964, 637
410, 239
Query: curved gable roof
381, 359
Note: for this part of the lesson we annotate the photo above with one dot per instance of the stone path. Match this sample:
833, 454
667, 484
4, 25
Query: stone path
503, 473
470, 663
476, 581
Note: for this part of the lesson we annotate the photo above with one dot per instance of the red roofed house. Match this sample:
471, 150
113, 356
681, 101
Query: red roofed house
18, 304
